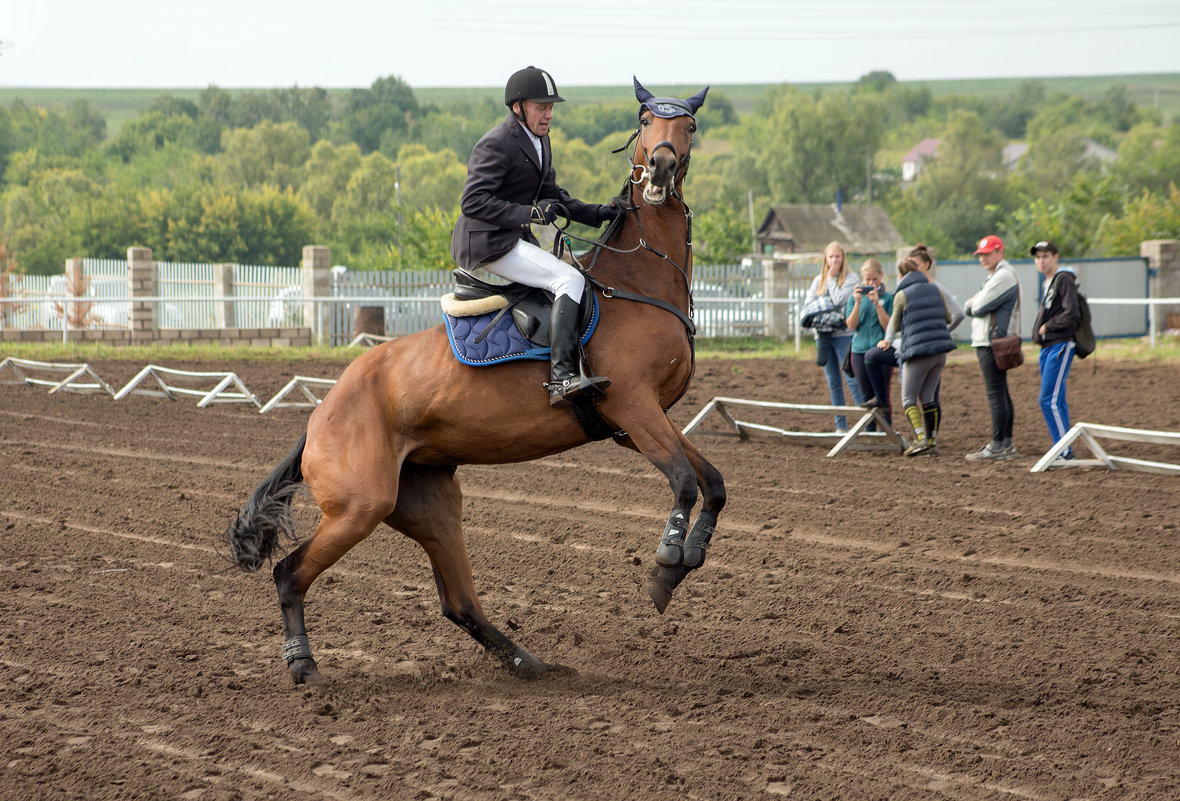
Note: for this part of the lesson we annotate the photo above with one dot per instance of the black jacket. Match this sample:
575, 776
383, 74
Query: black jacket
503, 178
1058, 311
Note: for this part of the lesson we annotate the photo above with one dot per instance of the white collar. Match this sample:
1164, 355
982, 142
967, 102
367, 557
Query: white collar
536, 140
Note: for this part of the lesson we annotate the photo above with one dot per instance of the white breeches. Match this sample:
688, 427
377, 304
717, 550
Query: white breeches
528, 264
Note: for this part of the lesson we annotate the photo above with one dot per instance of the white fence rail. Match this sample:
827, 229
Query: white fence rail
729, 300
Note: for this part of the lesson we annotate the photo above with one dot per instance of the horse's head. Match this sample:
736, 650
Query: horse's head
664, 139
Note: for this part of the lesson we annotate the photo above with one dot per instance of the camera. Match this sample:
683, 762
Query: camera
865, 289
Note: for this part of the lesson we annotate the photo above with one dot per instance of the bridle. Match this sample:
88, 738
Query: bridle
640, 173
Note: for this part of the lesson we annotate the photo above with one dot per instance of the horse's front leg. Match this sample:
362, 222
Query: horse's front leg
681, 548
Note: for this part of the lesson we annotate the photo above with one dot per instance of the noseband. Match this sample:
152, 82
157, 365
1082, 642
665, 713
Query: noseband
640, 172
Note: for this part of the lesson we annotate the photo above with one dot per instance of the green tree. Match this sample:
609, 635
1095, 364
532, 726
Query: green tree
270, 153
813, 148
327, 173
962, 195
1149, 159
1147, 216
721, 236
150, 131
371, 114
430, 179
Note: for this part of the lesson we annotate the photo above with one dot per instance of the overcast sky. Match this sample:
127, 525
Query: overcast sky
431, 43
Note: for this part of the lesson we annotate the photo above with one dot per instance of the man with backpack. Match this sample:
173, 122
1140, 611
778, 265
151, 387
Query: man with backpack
1055, 330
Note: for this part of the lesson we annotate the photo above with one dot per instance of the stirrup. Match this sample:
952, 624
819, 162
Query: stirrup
575, 386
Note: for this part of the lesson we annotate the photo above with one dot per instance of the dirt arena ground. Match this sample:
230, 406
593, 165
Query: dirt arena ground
866, 626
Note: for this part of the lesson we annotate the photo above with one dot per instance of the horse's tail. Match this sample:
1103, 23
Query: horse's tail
267, 515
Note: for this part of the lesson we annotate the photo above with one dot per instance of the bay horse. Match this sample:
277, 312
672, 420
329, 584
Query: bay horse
384, 444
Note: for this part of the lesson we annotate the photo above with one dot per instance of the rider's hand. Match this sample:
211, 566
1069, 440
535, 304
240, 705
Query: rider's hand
609, 212
543, 213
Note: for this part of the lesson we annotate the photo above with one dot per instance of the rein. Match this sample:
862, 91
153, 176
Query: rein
599, 245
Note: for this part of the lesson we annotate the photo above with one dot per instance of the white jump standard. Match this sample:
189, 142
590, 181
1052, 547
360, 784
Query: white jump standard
23, 368
220, 393
851, 440
304, 384
1089, 433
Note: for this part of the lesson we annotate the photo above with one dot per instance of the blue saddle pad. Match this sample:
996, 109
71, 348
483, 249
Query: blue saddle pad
504, 343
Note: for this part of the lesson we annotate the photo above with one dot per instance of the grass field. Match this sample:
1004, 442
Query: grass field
1161, 90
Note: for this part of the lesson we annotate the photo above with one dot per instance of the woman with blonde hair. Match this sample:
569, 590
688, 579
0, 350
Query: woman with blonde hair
837, 282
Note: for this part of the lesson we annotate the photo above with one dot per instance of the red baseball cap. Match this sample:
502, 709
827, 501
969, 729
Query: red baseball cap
989, 244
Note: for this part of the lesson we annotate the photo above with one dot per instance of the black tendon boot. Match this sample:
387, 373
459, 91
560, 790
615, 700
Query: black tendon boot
932, 413
568, 376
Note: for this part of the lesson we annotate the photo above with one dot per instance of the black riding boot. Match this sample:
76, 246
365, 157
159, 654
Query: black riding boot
568, 375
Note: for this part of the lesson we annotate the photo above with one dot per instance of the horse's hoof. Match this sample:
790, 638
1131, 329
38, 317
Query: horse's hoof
661, 583
304, 671
524, 665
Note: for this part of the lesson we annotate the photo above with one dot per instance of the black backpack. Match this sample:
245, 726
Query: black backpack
1083, 338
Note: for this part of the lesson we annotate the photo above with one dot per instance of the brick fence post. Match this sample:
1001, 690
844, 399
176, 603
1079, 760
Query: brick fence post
143, 319
780, 317
317, 283
224, 311
1163, 263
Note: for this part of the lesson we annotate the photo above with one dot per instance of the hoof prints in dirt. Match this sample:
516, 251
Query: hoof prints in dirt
865, 626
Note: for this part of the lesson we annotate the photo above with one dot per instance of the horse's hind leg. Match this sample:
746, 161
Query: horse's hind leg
430, 511
293, 575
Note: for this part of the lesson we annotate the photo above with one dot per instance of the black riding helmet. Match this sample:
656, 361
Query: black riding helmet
533, 84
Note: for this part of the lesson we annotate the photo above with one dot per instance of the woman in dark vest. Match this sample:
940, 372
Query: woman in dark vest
921, 316
509, 174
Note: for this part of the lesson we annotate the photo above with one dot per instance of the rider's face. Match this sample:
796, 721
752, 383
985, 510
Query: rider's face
537, 116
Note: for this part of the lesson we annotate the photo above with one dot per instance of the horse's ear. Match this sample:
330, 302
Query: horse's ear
641, 94
697, 100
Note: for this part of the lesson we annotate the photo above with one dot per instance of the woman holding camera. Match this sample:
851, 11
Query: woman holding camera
867, 315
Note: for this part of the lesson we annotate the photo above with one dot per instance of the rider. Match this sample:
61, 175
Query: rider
509, 178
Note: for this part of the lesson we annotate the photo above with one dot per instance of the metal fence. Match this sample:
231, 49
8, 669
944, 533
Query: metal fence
729, 299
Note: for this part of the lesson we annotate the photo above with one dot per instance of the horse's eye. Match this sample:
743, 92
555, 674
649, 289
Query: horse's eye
692, 128
645, 121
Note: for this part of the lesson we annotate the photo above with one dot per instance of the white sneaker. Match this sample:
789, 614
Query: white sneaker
989, 454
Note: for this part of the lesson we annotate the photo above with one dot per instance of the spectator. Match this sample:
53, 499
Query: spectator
1054, 330
836, 282
921, 314
867, 315
925, 260
994, 308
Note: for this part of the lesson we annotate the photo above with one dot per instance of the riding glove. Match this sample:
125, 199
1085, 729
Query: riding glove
544, 212
608, 212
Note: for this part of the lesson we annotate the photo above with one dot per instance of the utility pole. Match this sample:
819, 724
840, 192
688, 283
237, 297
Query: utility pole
753, 230
869, 174
397, 191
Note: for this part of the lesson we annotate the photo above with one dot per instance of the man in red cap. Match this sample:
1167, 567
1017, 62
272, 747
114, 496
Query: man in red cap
995, 311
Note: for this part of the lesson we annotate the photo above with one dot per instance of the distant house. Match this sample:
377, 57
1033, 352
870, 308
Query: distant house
913, 162
1098, 152
808, 228
1012, 154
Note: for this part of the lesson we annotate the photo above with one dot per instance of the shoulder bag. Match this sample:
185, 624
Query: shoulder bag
1006, 350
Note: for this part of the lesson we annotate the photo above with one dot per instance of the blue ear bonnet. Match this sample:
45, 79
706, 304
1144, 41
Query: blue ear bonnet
668, 107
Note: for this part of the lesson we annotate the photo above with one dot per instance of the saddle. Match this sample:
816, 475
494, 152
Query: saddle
491, 323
